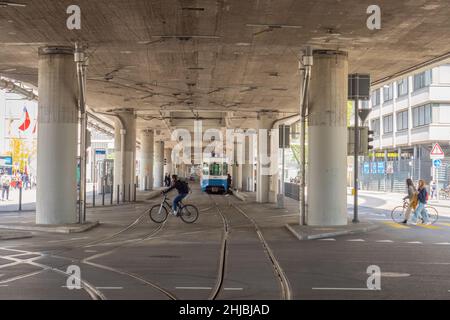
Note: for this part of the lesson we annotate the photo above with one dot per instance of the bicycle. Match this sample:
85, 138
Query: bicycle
159, 213
398, 213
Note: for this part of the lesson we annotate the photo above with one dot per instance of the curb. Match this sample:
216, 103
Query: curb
239, 196
331, 234
55, 229
15, 236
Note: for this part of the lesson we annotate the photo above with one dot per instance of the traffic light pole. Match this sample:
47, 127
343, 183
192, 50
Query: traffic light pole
355, 169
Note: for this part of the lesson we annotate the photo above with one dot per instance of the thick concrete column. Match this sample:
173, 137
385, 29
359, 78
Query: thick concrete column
327, 192
158, 165
147, 155
263, 179
248, 179
168, 168
125, 154
56, 198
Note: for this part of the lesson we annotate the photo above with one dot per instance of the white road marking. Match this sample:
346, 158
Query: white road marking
233, 289
415, 242
384, 241
329, 239
345, 289
193, 288
394, 275
109, 288
357, 240
443, 244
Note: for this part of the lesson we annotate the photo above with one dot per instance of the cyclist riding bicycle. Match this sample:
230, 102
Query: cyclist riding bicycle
183, 191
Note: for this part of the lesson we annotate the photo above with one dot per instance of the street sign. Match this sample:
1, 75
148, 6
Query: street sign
437, 163
100, 152
436, 152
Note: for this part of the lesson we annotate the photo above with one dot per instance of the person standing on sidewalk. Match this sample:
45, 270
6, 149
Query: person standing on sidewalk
423, 198
5, 182
433, 189
412, 198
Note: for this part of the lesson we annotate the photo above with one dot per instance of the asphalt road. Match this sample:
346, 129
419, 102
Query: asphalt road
235, 251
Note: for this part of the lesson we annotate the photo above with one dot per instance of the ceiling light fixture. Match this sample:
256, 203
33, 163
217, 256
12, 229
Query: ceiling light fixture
193, 9
274, 26
5, 4
187, 37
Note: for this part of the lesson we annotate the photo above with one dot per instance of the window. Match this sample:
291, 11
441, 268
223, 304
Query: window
388, 124
402, 87
422, 80
422, 115
388, 92
376, 98
215, 169
375, 125
402, 120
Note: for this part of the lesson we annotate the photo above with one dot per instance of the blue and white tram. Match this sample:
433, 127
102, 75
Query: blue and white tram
215, 175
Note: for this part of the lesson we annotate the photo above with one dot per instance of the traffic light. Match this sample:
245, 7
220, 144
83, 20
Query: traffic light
366, 138
370, 140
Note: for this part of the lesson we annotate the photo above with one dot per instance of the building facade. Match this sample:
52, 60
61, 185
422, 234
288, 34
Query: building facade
408, 117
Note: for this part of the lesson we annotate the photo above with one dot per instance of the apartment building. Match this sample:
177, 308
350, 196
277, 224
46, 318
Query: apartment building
408, 117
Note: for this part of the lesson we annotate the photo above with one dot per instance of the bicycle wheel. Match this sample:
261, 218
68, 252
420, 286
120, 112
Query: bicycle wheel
398, 214
433, 214
158, 213
189, 214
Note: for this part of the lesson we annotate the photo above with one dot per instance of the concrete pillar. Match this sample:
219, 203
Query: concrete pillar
263, 179
158, 166
248, 180
125, 154
56, 198
168, 168
327, 192
147, 155
237, 166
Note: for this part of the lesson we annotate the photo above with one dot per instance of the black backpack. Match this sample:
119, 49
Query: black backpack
186, 186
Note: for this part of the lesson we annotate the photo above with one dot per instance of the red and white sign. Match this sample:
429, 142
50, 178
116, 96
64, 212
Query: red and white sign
436, 152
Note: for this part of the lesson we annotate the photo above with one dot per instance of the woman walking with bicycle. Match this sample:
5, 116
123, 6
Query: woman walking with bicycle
412, 197
423, 198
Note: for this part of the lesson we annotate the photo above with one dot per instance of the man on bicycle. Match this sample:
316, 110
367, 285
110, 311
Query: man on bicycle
183, 190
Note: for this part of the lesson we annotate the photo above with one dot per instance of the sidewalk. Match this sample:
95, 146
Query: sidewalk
389, 200
269, 216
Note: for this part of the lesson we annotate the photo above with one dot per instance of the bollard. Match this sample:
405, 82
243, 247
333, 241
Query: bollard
118, 194
124, 194
103, 195
135, 192
129, 192
20, 199
112, 193
93, 197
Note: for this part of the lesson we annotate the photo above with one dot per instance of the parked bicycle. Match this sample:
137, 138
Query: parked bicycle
444, 194
159, 213
398, 213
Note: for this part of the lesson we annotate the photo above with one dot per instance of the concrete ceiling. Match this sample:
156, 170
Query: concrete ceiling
206, 57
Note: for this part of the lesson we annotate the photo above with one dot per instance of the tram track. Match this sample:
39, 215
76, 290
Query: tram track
285, 289
94, 293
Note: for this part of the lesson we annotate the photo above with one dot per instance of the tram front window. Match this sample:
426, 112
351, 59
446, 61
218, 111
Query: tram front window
216, 169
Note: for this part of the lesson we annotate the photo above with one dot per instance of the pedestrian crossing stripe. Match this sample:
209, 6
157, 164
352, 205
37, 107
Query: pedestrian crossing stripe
444, 224
395, 225
429, 227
